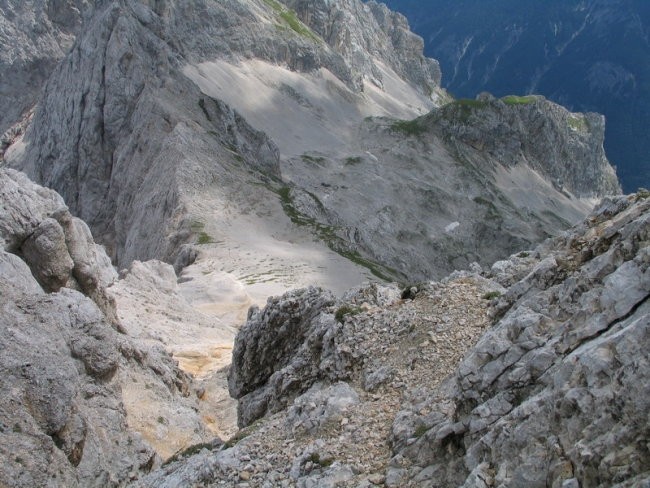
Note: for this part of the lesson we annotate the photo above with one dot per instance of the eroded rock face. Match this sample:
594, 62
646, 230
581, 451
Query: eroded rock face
70, 378
36, 224
35, 36
557, 391
566, 148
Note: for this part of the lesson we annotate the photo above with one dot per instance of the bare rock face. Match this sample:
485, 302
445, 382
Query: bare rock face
36, 224
68, 374
567, 148
556, 393
281, 351
367, 34
34, 36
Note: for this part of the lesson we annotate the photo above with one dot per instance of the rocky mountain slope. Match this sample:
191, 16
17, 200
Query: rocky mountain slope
530, 373
158, 141
586, 55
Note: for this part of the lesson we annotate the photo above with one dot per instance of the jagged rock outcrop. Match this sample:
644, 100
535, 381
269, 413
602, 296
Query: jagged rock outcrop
556, 393
126, 138
59, 249
532, 373
67, 372
367, 33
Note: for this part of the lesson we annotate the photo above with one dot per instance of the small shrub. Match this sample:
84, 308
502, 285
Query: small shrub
345, 310
492, 295
205, 238
642, 194
323, 462
353, 160
523, 254
190, 451
161, 420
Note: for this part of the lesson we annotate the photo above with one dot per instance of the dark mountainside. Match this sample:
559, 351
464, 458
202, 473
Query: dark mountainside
589, 55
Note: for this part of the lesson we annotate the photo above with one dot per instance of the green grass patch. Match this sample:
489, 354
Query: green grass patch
491, 295
289, 18
328, 234
578, 123
344, 311
516, 100
409, 127
420, 431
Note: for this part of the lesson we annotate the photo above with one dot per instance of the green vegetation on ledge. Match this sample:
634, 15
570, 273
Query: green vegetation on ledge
515, 100
413, 127
291, 19
328, 235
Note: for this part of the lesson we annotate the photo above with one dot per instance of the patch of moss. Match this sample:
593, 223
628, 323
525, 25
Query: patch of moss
409, 127
420, 431
516, 100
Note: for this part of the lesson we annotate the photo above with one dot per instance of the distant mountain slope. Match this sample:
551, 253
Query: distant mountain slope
589, 55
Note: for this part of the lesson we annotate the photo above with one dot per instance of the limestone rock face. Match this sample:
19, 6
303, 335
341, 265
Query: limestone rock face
566, 148
35, 36
367, 35
70, 377
282, 350
557, 390
36, 224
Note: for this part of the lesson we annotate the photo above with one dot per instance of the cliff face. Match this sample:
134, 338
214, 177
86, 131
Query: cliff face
35, 36
530, 373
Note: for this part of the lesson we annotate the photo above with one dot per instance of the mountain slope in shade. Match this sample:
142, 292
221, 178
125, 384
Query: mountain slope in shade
589, 55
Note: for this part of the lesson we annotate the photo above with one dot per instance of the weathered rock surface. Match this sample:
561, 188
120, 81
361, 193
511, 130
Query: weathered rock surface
557, 391
553, 393
75, 388
36, 224
34, 37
